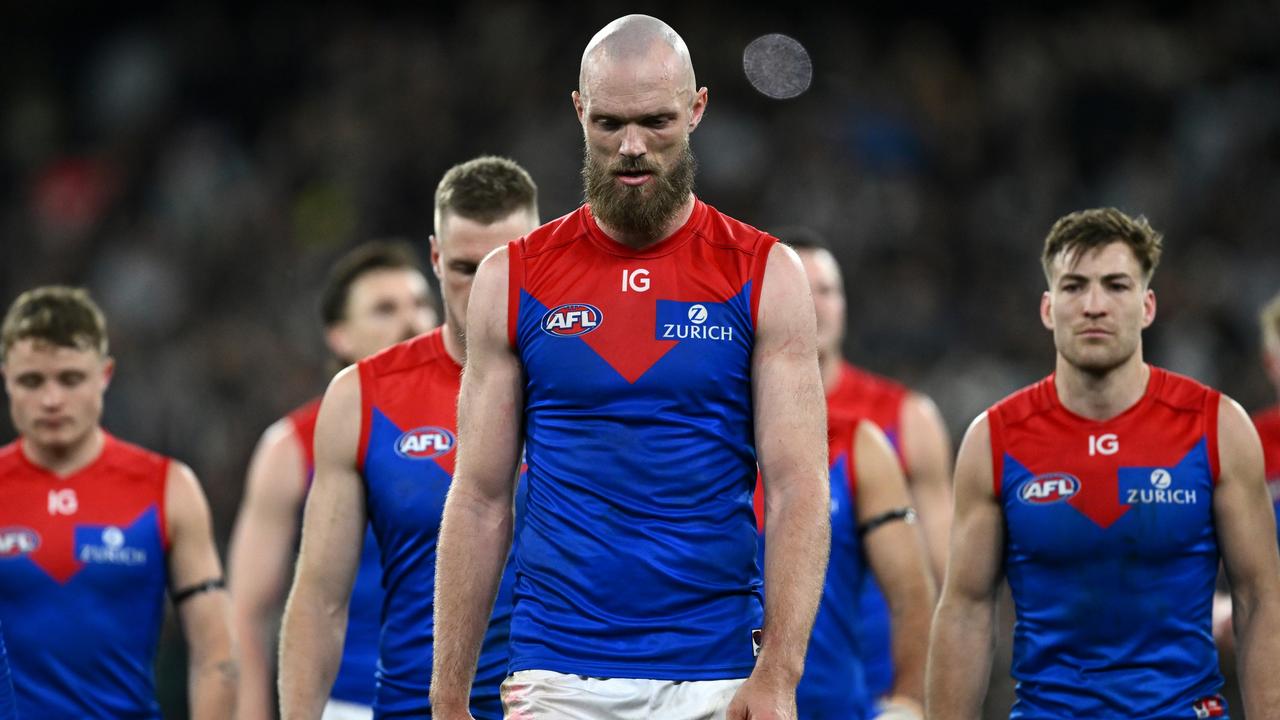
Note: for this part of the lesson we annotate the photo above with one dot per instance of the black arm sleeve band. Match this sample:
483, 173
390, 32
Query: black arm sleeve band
905, 514
190, 591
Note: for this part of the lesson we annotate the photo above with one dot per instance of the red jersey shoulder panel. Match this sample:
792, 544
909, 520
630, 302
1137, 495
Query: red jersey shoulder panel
403, 357
303, 420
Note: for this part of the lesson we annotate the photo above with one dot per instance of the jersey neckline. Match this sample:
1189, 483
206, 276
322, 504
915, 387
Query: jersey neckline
664, 246
1155, 379
108, 442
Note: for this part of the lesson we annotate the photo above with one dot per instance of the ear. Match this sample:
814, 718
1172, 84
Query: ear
336, 338
699, 107
435, 258
1270, 362
1046, 310
1148, 308
578, 106
108, 371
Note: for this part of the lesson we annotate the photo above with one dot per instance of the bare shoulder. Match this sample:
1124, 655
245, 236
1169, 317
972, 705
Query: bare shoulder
785, 301
184, 499
973, 464
870, 441
1239, 446
342, 395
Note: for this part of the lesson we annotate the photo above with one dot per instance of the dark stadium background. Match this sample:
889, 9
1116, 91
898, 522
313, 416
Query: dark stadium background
198, 165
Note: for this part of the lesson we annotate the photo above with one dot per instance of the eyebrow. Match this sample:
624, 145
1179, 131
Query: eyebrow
1109, 277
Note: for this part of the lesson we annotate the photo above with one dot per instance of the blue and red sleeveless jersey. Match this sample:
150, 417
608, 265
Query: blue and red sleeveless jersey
8, 708
862, 395
1268, 424
409, 396
1111, 552
357, 670
637, 556
833, 686
83, 576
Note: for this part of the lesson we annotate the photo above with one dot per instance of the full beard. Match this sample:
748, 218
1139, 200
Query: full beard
643, 210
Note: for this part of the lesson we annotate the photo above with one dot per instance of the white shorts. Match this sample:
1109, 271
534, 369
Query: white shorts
340, 710
546, 695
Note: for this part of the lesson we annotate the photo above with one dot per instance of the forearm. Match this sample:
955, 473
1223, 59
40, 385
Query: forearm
474, 540
959, 659
934, 505
211, 685
910, 623
310, 651
797, 541
255, 698
1257, 628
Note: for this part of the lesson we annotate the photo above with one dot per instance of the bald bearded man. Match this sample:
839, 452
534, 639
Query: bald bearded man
647, 352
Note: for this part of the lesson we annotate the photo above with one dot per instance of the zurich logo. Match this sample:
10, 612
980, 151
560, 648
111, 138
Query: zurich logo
1048, 488
572, 319
1161, 479
697, 314
113, 537
425, 443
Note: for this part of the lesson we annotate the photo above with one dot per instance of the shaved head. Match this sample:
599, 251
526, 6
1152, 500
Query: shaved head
638, 38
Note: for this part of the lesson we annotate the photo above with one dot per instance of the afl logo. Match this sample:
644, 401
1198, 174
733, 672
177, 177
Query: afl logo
572, 319
15, 541
1050, 488
425, 443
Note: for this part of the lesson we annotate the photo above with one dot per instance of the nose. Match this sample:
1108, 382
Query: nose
51, 396
632, 142
1095, 305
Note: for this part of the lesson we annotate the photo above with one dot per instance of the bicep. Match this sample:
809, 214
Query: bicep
334, 520
1242, 506
193, 557
266, 530
193, 560
490, 402
788, 401
926, 448
894, 549
977, 531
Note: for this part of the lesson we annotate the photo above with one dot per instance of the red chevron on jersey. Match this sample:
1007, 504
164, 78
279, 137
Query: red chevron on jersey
422, 435
116, 489
1034, 429
623, 286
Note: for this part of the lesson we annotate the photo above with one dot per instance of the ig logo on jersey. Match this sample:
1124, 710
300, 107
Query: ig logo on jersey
424, 443
1049, 488
572, 319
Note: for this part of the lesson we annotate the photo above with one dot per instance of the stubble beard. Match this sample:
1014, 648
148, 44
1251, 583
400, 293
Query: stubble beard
644, 210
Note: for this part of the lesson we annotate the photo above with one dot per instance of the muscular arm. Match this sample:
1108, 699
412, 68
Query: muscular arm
960, 646
898, 558
926, 447
205, 616
315, 619
476, 531
1246, 527
261, 556
790, 428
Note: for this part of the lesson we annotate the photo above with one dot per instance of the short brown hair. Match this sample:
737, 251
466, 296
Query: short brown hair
1075, 234
485, 190
373, 255
55, 314
1270, 320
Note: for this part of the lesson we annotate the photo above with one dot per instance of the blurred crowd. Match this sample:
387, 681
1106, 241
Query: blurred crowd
198, 167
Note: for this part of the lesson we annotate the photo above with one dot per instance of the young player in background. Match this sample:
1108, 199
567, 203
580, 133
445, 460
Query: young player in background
94, 532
